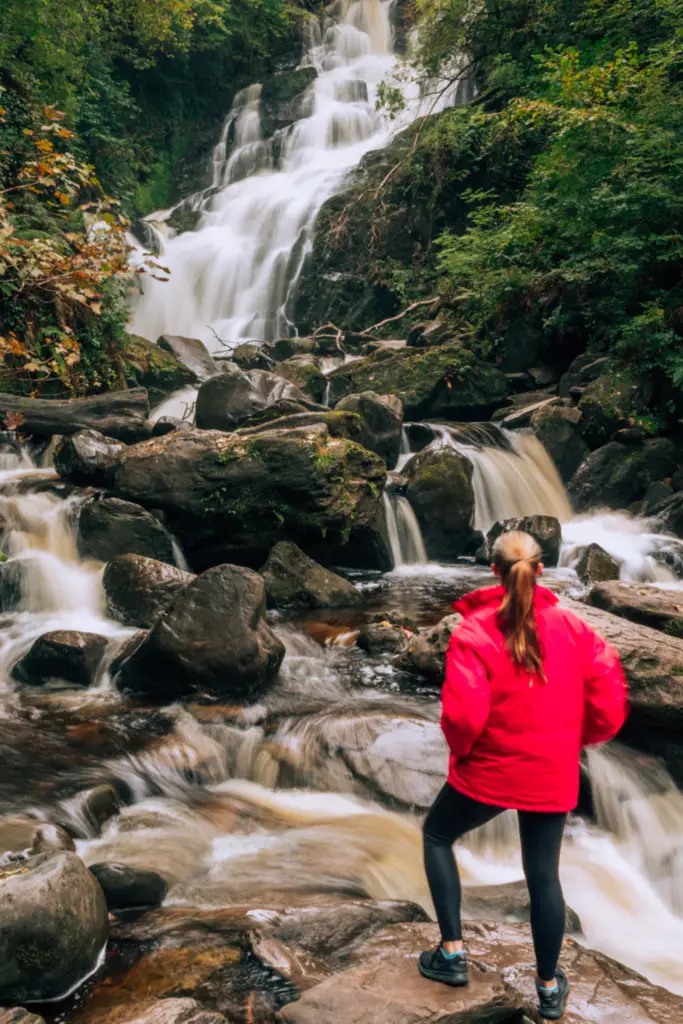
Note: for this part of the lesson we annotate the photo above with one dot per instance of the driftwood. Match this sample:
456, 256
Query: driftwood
653, 662
119, 414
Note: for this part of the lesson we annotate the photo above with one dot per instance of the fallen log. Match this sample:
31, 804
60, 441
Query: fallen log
119, 414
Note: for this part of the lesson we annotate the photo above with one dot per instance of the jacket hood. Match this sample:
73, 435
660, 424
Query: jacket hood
489, 597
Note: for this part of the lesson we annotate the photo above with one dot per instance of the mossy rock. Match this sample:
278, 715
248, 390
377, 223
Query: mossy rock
284, 100
617, 399
442, 496
306, 374
151, 367
447, 381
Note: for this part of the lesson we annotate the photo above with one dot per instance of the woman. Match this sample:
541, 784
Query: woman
528, 684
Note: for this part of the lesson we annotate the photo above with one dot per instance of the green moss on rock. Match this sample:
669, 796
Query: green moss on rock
153, 368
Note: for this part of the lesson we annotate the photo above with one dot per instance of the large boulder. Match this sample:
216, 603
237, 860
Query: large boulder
596, 565
53, 927
108, 527
304, 372
618, 474
546, 531
649, 606
212, 639
231, 497
138, 589
615, 400
232, 397
447, 381
87, 458
159, 371
128, 888
191, 352
64, 656
558, 429
439, 488
426, 652
381, 425
293, 579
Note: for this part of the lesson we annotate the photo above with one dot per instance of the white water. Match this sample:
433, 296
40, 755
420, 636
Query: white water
405, 536
233, 278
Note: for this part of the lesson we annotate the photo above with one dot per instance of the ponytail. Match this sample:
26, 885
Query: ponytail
516, 556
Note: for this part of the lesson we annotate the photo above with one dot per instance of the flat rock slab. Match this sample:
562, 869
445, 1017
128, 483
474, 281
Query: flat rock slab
646, 605
392, 992
162, 1011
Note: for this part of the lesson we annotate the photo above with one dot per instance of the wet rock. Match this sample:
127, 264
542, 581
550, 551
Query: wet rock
17, 1015
285, 348
191, 352
250, 356
159, 371
585, 369
558, 429
506, 902
649, 606
381, 426
389, 992
87, 458
546, 531
611, 402
304, 372
232, 497
64, 656
293, 579
382, 638
446, 381
596, 565
10, 585
285, 98
127, 888
212, 639
138, 589
440, 491
657, 493
229, 399
108, 527
160, 1011
669, 515
21, 837
53, 927
84, 815
617, 475
426, 651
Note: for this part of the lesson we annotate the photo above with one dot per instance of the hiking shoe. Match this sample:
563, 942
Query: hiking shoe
449, 970
552, 1004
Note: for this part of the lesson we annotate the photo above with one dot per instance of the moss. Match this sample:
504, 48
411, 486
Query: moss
151, 367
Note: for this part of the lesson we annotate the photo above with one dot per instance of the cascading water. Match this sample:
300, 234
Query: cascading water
233, 278
405, 536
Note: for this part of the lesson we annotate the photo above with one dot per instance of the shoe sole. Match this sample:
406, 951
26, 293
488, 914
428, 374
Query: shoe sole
436, 976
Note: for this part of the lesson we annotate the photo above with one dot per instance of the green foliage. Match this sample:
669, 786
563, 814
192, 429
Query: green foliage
576, 227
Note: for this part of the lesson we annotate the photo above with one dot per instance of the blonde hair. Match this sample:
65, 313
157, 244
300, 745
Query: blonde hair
516, 556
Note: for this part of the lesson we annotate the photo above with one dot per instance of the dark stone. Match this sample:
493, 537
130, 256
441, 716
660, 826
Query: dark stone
522, 348
596, 565
381, 426
123, 415
128, 888
629, 435
10, 584
285, 99
212, 639
191, 352
612, 402
53, 927
108, 527
87, 458
304, 372
285, 348
441, 494
677, 479
229, 497
65, 656
657, 493
585, 368
294, 579
232, 397
558, 430
167, 424
138, 589
546, 531
669, 515
251, 356
446, 381
432, 332
616, 474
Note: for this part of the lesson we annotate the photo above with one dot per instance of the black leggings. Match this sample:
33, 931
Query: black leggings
451, 816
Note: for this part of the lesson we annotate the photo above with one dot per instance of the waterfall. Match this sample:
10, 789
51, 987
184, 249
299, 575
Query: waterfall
405, 537
233, 278
513, 475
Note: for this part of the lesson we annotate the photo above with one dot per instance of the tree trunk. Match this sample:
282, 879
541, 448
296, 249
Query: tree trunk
119, 414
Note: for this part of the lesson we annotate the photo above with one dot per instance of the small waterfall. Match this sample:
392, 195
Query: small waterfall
178, 406
234, 277
405, 537
513, 474
645, 556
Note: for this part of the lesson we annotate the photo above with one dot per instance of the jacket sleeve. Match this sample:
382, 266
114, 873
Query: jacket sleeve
605, 690
465, 698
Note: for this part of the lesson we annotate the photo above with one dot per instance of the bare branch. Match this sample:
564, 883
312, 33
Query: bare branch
399, 316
